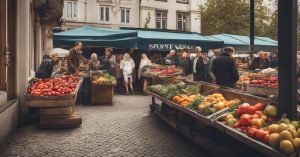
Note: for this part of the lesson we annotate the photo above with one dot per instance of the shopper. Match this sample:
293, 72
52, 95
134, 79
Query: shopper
196, 63
225, 69
211, 66
156, 58
74, 58
109, 61
266, 60
118, 71
144, 62
274, 60
47, 65
127, 66
186, 63
203, 67
258, 62
171, 58
94, 63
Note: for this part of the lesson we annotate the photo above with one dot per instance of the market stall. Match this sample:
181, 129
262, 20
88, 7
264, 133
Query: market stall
247, 118
55, 99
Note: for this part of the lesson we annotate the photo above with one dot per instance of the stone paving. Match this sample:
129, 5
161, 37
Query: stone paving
123, 130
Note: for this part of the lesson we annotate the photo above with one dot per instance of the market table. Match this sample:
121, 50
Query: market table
195, 123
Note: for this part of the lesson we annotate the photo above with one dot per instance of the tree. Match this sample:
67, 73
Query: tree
232, 16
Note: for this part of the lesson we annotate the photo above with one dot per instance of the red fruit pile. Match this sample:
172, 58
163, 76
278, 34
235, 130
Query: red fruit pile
267, 82
60, 86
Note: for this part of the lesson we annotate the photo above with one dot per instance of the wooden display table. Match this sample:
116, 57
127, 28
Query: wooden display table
102, 94
56, 111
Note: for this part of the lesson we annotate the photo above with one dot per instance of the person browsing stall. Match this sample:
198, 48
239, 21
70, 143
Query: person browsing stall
171, 58
196, 63
225, 69
127, 66
203, 67
47, 66
144, 62
94, 63
74, 58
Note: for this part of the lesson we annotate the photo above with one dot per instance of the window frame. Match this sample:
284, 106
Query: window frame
126, 16
187, 15
106, 17
161, 18
73, 9
182, 1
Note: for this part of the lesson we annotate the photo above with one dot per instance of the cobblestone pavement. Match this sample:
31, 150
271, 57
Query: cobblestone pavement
125, 129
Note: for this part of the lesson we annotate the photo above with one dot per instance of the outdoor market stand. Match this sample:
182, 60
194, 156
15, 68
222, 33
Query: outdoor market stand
207, 130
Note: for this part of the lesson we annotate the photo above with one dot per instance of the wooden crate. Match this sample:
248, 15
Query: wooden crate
62, 111
102, 94
52, 121
53, 101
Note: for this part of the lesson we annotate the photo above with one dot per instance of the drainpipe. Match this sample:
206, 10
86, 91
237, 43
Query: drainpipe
85, 17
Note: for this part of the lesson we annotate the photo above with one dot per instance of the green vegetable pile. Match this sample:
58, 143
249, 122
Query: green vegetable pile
170, 90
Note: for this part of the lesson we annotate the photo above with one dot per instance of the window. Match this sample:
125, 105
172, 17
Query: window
161, 19
104, 14
182, 21
182, 1
125, 15
71, 10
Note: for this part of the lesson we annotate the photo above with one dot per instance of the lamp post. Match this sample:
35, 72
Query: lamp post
251, 25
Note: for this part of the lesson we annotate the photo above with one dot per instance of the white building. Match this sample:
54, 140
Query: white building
181, 15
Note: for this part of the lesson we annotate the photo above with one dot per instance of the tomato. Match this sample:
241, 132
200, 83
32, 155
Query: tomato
254, 116
260, 134
243, 108
264, 117
245, 120
259, 107
252, 132
236, 124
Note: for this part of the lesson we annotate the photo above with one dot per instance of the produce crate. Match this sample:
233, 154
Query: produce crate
74, 120
266, 91
242, 137
102, 94
53, 101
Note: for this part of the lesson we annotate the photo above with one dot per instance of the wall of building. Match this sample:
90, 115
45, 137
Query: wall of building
89, 13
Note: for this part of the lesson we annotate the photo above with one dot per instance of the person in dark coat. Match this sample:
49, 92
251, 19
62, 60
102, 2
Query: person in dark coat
74, 58
203, 67
225, 68
46, 68
186, 63
274, 60
171, 58
259, 62
196, 64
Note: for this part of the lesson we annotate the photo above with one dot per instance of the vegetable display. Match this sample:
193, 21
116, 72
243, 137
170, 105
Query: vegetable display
101, 79
170, 90
63, 85
266, 82
161, 71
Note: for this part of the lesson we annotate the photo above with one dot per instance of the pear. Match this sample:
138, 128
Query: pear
296, 124
296, 143
286, 147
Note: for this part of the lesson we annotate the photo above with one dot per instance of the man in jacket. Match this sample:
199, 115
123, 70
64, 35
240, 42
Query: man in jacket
225, 69
46, 68
74, 58
196, 64
171, 58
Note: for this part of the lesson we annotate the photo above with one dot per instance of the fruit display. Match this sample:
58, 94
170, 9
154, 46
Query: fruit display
243, 80
205, 105
60, 86
266, 82
284, 135
168, 91
188, 101
161, 71
215, 102
101, 79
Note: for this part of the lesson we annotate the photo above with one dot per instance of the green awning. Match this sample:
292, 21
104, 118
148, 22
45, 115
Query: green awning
166, 40
93, 36
242, 43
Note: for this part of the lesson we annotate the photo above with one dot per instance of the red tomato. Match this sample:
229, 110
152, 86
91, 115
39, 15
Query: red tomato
243, 108
259, 107
252, 132
260, 134
245, 120
254, 116
236, 124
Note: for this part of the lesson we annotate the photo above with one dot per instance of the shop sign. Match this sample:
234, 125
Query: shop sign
169, 46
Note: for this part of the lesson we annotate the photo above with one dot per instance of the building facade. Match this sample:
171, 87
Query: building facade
26, 35
183, 15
